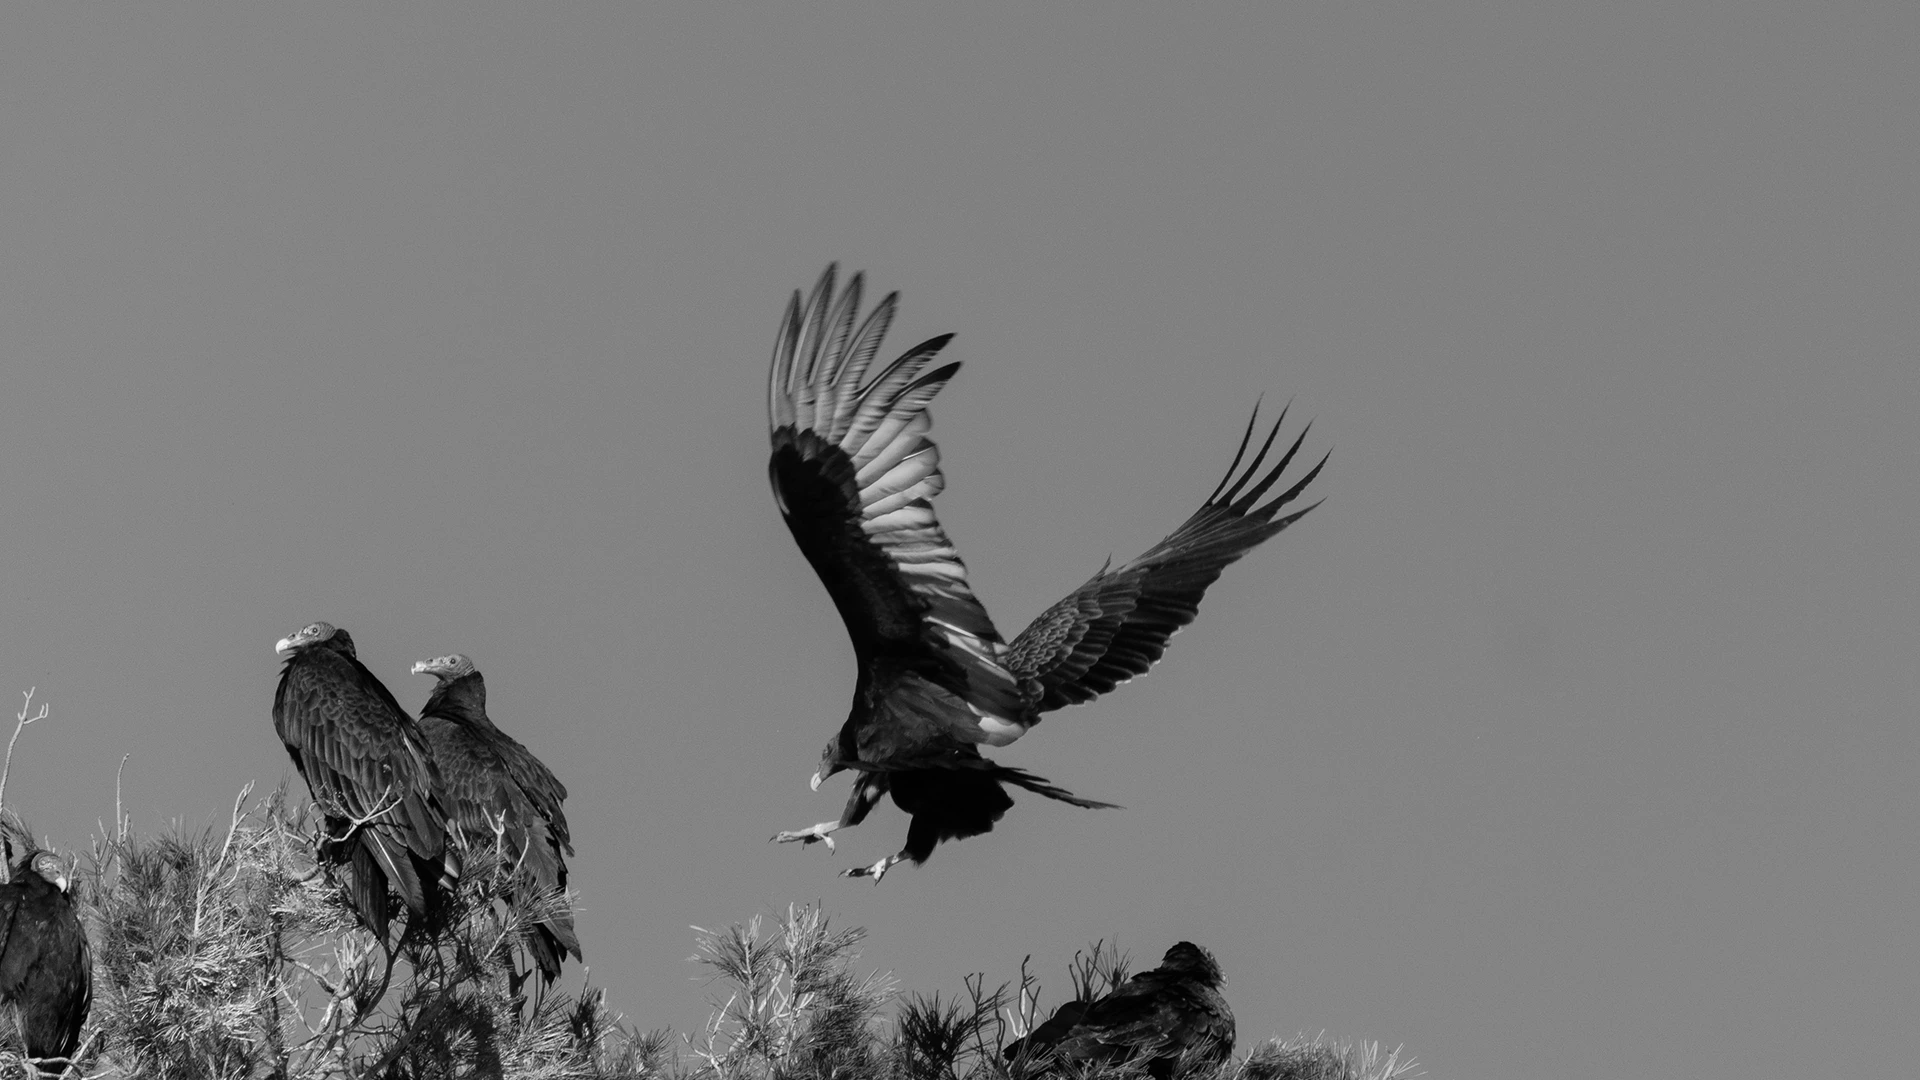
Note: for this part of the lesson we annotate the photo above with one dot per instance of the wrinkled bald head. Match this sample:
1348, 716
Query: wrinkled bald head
19, 854
445, 668
320, 633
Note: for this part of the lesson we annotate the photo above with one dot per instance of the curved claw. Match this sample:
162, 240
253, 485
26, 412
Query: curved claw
876, 871
820, 833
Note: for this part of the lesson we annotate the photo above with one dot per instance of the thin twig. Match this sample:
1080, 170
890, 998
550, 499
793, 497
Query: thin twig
23, 722
120, 823
381, 808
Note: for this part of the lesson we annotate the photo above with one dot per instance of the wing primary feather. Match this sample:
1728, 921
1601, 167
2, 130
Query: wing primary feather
1293, 492
1253, 494
860, 353
1253, 467
902, 370
873, 405
780, 381
839, 325
1237, 454
813, 333
882, 416
806, 392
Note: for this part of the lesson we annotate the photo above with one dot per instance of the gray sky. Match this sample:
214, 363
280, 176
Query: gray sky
1573, 736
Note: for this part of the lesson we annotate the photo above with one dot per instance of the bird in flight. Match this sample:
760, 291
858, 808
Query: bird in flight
854, 475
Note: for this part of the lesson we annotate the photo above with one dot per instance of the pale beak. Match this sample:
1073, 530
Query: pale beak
815, 782
283, 645
420, 667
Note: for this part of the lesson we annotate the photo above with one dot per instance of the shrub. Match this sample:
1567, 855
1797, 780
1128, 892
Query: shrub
230, 953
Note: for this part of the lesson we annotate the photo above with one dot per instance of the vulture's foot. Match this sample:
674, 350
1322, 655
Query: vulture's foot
876, 871
822, 832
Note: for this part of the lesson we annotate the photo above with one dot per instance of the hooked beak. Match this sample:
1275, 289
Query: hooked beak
815, 782
49, 867
283, 645
419, 667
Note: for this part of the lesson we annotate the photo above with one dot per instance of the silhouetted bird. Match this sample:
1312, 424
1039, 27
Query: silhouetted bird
368, 766
1160, 1015
853, 472
46, 969
496, 792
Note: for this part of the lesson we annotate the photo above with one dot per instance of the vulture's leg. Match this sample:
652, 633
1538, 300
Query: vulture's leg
877, 870
810, 834
867, 789
922, 836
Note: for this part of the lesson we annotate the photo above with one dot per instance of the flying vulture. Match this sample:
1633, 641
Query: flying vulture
46, 969
496, 792
369, 768
854, 472
1161, 1015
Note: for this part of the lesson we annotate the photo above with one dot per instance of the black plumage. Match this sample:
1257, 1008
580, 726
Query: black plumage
854, 473
497, 793
1159, 1016
46, 968
367, 763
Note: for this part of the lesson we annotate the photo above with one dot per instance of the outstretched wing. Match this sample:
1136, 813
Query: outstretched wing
364, 759
1117, 624
854, 471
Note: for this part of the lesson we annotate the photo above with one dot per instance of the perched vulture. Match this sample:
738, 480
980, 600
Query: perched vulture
496, 792
46, 969
853, 472
370, 771
1160, 1015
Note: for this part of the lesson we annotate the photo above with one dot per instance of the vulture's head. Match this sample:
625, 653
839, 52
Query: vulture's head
20, 855
1191, 960
320, 633
830, 762
445, 668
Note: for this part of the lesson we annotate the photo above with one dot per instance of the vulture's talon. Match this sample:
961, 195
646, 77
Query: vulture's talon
876, 871
821, 833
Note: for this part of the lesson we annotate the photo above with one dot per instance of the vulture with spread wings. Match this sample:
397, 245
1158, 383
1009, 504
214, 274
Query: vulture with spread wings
854, 472
497, 793
1174, 1011
370, 771
46, 969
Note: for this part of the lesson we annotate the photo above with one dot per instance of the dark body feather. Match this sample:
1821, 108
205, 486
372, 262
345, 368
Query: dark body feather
496, 791
367, 764
46, 967
854, 475
1160, 1016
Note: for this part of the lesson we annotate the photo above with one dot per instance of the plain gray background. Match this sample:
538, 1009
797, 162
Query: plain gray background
1572, 737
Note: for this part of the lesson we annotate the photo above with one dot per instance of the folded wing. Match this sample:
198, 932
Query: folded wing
365, 761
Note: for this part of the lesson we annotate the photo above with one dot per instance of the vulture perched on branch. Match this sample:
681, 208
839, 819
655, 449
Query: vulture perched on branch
1175, 1010
368, 766
497, 793
46, 970
854, 474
